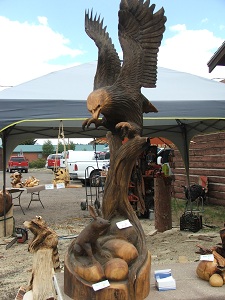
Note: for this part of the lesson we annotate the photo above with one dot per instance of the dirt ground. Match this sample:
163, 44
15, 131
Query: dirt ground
63, 214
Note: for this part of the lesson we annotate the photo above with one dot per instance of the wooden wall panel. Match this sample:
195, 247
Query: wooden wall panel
207, 158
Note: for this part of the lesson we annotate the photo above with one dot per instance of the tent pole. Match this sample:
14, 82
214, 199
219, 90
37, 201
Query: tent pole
4, 138
186, 147
186, 158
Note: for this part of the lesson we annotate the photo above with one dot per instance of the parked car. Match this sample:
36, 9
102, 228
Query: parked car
17, 163
53, 161
85, 165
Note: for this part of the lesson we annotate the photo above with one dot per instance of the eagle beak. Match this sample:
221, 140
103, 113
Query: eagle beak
96, 112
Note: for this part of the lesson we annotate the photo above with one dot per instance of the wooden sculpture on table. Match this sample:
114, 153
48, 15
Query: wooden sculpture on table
16, 181
122, 260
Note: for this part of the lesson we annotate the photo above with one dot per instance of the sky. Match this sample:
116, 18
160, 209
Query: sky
38, 36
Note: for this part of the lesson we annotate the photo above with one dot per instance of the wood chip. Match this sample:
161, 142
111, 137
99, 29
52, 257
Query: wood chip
205, 238
191, 241
153, 232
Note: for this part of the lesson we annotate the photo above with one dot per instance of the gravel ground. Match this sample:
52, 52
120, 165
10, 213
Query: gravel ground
63, 213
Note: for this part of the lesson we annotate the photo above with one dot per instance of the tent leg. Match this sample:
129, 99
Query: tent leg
186, 156
4, 177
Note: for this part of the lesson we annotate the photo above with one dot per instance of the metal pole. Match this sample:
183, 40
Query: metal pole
4, 176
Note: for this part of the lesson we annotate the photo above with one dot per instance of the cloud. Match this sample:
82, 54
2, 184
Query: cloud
43, 20
189, 51
31, 50
178, 27
27, 50
206, 20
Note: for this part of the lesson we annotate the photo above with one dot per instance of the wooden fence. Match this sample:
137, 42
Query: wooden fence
207, 158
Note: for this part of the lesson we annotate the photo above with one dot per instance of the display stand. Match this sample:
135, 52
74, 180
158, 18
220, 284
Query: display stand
19, 192
35, 194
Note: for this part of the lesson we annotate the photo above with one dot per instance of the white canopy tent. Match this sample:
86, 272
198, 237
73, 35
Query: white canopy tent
188, 105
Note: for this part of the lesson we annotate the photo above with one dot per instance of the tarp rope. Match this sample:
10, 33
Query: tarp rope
61, 136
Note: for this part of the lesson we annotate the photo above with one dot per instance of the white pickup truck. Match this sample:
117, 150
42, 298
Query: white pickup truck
84, 165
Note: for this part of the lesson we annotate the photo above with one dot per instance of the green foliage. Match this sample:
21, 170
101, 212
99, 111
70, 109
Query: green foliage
47, 148
70, 146
39, 163
60, 147
29, 142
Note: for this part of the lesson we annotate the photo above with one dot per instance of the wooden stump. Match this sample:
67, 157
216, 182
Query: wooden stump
162, 203
5, 202
8, 223
42, 275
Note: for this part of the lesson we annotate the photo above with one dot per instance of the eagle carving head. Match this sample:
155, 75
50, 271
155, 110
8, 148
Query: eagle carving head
96, 102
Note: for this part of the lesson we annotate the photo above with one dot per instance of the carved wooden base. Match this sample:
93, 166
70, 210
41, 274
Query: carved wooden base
77, 288
118, 255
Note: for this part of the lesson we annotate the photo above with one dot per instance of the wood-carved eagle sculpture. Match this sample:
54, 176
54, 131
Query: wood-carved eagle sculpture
117, 87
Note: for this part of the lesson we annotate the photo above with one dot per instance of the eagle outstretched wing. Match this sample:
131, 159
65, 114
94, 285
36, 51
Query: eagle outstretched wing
117, 89
109, 65
140, 34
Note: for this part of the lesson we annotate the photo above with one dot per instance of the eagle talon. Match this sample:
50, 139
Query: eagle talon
84, 124
126, 129
89, 121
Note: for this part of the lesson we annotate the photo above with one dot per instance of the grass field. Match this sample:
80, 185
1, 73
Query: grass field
213, 216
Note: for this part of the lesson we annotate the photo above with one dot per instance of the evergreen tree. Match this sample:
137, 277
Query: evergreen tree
70, 146
60, 147
29, 142
48, 148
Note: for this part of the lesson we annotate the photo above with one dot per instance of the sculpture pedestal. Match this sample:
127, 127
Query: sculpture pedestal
8, 223
77, 288
162, 200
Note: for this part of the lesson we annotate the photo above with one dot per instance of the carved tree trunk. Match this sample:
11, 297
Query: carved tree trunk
115, 198
128, 270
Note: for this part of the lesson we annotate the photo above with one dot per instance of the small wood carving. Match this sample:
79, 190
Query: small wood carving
87, 241
61, 176
16, 181
31, 182
46, 259
206, 269
117, 96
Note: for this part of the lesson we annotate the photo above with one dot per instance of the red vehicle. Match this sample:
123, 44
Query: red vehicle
18, 163
53, 161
